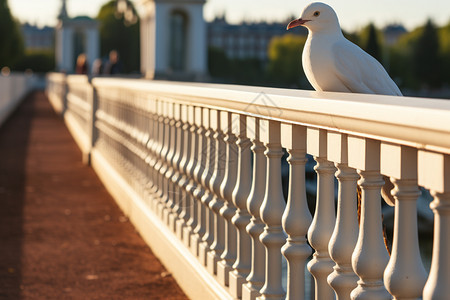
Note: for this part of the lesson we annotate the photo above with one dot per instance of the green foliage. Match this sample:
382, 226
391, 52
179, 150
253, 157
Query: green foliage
115, 35
285, 62
426, 57
11, 46
370, 41
37, 61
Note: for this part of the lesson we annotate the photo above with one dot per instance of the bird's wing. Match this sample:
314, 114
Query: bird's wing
360, 72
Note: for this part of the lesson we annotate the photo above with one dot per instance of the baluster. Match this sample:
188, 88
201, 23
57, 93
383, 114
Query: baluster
227, 211
242, 218
151, 149
176, 170
434, 173
207, 182
162, 189
322, 226
271, 212
190, 187
158, 157
254, 202
199, 191
370, 256
217, 202
167, 171
296, 218
342, 243
404, 276
184, 214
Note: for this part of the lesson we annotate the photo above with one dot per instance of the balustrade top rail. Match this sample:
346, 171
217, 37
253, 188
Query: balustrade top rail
417, 122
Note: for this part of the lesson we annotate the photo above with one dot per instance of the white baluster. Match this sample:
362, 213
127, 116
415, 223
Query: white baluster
217, 202
342, 243
296, 217
167, 170
184, 214
228, 256
322, 226
199, 191
434, 173
158, 158
190, 187
242, 218
254, 202
271, 212
370, 256
208, 182
176, 177
404, 276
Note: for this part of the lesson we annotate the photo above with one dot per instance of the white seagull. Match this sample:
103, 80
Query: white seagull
334, 64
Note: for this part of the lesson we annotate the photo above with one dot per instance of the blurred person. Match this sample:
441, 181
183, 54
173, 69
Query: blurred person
81, 67
97, 67
113, 66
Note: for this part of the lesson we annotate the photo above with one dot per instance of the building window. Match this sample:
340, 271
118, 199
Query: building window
178, 31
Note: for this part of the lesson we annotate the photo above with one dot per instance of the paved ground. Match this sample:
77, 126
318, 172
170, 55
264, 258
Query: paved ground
61, 234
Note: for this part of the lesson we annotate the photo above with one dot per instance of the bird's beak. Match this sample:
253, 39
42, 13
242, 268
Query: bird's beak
296, 23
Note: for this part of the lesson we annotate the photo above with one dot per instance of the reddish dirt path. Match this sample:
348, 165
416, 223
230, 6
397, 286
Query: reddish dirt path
61, 234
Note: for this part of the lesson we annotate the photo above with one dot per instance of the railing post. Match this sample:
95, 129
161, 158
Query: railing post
217, 202
296, 218
370, 257
434, 173
228, 210
272, 211
207, 182
321, 229
190, 187
404, 276
255, 280
242, 218
168, 169
183, 182
199, 191
174, 193
342, 243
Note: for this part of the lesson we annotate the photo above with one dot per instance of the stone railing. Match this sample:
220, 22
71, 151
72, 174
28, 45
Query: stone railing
13, 88
197, 168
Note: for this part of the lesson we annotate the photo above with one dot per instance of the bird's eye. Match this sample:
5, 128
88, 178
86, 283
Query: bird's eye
316, 13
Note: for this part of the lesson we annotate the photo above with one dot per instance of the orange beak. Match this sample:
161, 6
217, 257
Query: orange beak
296, 23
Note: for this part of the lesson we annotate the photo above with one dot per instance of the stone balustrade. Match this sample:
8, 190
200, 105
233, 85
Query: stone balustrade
198, 169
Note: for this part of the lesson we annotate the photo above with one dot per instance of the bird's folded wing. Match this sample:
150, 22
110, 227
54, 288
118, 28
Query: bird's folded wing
360, 72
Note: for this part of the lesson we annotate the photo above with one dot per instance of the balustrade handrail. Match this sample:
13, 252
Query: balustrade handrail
417, 122
177, 159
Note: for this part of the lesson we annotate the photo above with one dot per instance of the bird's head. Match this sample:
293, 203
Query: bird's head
317, 17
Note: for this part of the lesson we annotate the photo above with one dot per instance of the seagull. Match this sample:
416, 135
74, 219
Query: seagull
334, 64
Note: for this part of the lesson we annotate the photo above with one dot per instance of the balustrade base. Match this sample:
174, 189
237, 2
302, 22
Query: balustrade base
236, 282
187, 236
179, 229
212, 261
194, 246
223, 273
202, 252
249, 293
173, 222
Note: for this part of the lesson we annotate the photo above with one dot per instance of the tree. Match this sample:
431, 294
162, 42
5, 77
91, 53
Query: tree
11, 46
285, 61
115, 34
426, 57
371, 42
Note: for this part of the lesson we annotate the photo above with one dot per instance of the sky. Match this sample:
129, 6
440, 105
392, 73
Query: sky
353, 14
